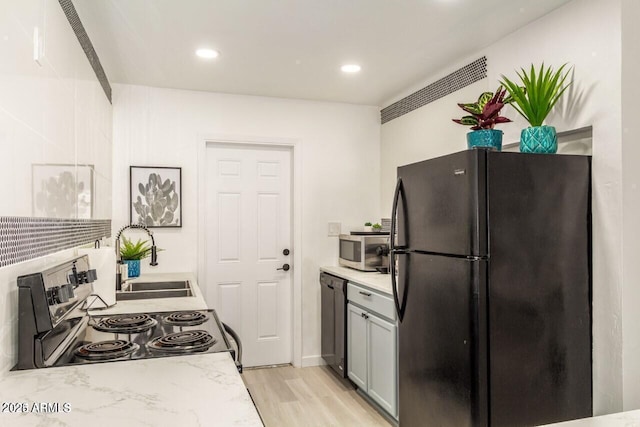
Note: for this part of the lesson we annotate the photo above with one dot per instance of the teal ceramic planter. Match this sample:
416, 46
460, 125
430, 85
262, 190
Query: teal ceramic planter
539, 139
485, 138
133, 267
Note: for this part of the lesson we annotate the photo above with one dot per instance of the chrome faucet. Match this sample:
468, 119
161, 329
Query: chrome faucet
154, 251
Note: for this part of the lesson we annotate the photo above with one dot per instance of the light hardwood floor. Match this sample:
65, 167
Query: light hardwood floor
314, 396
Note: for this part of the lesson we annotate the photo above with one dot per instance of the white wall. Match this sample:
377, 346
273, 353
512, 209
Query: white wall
587, 34
424, 133
340, 168
55, 112
631, 203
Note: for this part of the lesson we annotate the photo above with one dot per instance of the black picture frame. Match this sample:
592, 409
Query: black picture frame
155, 196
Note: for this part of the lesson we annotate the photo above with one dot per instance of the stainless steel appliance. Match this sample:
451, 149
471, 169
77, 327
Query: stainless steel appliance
364, 251
493, 291
333, 322
56, 330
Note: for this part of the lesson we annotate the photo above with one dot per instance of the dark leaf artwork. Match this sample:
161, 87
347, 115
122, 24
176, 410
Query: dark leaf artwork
157, 203
62, 191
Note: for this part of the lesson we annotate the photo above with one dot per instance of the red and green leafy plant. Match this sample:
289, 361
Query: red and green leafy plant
485, 113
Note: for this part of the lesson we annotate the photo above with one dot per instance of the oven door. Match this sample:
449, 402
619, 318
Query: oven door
351, 253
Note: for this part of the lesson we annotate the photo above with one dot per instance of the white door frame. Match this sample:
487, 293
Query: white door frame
296, 217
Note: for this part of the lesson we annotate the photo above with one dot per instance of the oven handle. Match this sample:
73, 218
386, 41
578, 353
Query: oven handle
236, 338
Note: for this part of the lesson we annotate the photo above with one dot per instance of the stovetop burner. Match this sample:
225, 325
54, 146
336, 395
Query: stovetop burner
183, 342
186, 318
105, 350
126, 324
111, 338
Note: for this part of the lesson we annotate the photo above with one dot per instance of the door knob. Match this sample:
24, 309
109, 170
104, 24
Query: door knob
284, 267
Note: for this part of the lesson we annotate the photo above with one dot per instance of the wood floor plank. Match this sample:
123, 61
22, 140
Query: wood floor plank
309, 397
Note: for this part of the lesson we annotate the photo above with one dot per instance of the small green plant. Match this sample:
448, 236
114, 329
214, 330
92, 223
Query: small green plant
485, 113
376, 226
367, 224
133, 251
540, 93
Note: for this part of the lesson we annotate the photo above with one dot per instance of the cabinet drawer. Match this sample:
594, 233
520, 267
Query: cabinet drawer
371, 300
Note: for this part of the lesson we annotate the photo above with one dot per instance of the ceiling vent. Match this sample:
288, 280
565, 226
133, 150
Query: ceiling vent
465, 76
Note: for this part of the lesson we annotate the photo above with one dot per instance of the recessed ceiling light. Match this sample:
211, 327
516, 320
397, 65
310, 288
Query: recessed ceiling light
350, 68
207, 53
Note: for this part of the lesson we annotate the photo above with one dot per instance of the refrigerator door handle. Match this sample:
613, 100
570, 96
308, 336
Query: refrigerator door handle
393, 250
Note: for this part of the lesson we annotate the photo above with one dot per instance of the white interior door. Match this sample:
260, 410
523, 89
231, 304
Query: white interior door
248, 229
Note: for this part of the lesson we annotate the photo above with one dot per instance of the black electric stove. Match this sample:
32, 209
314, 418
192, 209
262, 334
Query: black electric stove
56, 329
146, 335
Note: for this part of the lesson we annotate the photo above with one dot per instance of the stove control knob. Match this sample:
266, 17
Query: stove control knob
59, 294
52, 295
66, 291
63, 296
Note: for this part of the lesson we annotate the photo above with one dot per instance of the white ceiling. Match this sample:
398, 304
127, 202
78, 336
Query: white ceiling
294, 48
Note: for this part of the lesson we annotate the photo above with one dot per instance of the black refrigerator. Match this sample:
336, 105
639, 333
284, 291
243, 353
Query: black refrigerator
493, 289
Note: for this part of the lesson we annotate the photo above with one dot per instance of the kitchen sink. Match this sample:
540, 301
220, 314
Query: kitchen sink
152, 290
158, 286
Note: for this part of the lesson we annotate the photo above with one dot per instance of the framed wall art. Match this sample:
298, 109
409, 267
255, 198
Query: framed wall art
155, 196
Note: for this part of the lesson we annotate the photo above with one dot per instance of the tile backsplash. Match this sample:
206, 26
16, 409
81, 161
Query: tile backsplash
24, 238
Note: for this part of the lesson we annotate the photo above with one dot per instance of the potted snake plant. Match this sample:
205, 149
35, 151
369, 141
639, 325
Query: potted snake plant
533, 98
483, 116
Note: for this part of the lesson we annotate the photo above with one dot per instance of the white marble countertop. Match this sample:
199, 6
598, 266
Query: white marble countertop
620, 419
371, 279
190, 390
200, 390
195, 302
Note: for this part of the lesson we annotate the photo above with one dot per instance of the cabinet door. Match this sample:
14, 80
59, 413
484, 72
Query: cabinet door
357, 346
382, 376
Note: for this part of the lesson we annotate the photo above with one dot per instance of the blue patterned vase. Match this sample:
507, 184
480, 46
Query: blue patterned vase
485, 138
133, 266
539, 139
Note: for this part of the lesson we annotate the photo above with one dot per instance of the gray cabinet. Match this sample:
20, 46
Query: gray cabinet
357, 346
372, 346
382, 365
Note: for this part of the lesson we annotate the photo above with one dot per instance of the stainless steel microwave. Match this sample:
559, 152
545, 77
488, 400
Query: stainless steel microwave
364, 252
